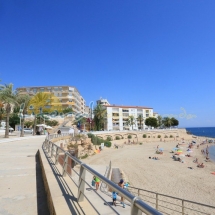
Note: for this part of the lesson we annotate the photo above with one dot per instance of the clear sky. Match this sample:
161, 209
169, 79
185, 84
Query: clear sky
153, 53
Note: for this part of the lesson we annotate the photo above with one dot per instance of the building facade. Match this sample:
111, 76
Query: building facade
118, 116
68, 96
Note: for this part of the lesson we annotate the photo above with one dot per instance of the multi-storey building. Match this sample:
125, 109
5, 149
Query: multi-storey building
118, 116
102, 101
68, 96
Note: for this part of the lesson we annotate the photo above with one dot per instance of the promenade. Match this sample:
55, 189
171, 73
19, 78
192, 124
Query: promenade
19, 176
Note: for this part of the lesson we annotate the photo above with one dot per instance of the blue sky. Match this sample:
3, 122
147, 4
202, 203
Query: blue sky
156, 53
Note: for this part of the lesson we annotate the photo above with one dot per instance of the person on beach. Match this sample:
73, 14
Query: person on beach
157, 147
94, 181
114, 196
121, 184
97, 183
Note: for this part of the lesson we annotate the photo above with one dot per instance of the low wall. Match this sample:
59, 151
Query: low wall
47, 190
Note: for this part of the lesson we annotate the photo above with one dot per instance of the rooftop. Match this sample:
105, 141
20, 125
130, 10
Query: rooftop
124, 106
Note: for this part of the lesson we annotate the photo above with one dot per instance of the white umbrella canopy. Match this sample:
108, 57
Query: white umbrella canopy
49, 127
41, 125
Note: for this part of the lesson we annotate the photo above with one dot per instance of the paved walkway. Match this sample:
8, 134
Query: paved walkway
18, 175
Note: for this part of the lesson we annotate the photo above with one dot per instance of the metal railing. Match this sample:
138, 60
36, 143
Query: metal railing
137, 205
172, 205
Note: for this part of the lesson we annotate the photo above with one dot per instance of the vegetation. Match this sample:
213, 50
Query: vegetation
22, 106
117, 138
52, 122
131, 121
171, 136
108, 139
28, 124
38, 102
148, 136
141, 143
159, 136
144, 136
85, 156
129, 136
97, 141
14, 120
99, 117
151, 121
67, 110
160, 123
7, 98
168, 122
140, 120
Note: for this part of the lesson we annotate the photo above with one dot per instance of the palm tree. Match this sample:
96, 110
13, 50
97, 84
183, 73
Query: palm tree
99, 116
8, 99
39, 101
159, 120
23, 102
167, 121
140, 120
131, 121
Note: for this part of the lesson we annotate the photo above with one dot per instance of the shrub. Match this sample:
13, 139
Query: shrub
122, 137
148, 136
108, 139
166, 136
129, 136
85, 156
144, 136
117, 138
107, 143
52, 122
95, 140
141, 143
171, 136
159, 136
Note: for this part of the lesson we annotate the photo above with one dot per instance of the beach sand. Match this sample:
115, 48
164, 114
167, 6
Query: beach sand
164, 176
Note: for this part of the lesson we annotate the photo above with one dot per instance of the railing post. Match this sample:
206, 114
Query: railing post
135, 210
49, 147
81, 186
182, 207
52, 150
156, 201
57, 156
65, 164
138, 191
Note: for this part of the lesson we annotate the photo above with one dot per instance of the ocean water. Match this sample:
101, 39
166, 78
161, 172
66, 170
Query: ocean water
202, 131
206, 132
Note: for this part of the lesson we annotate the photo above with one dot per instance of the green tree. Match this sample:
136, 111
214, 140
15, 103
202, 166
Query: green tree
174, 121
23, 104
14, 120
7, 98
131, 121
151, 121
160, 123
28, 124
52, 122
67, 110
99, 117
38, 102
167, 122
140, 120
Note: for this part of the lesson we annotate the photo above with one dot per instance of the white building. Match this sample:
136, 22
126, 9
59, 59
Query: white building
117, 117
102, 101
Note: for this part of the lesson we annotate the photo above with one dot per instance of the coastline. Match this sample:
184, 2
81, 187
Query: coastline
164, 176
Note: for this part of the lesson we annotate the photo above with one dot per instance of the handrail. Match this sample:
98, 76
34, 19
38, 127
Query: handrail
172, 197
183, 201
136, 204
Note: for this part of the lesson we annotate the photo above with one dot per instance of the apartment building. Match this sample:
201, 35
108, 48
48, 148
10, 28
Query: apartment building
117, 117
68, 96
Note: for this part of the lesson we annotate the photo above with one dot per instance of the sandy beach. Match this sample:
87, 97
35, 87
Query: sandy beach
164, 176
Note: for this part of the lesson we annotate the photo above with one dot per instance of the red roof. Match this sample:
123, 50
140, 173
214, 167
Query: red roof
122, 106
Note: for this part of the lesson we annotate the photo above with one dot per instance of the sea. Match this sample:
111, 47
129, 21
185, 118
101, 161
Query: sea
205, 132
